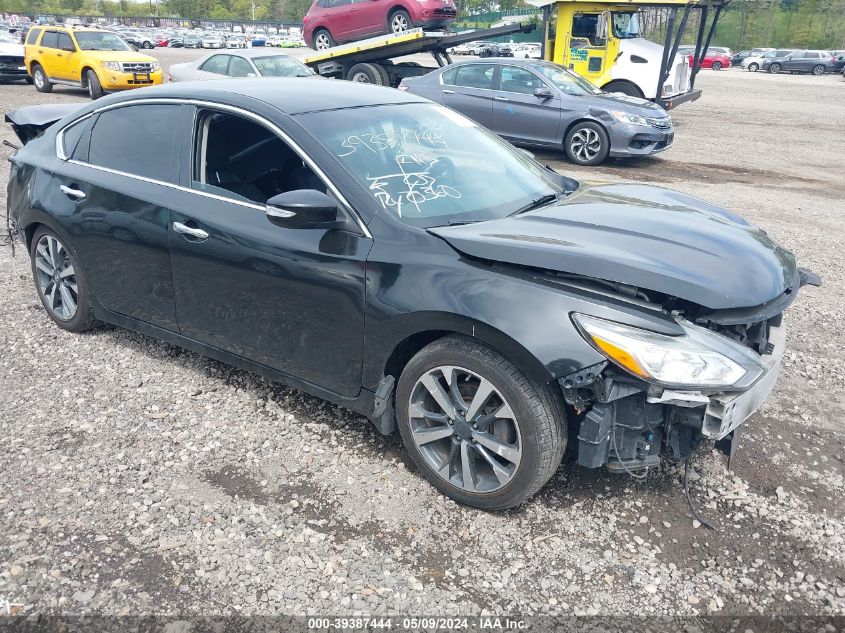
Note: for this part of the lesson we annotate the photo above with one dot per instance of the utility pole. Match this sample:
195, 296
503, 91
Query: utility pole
253, 10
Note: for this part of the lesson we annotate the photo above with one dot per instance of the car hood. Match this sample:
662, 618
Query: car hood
130, 57
8, 48
631, 105
644, 236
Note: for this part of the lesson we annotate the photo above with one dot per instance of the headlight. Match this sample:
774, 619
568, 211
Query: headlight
115, 66
634, 119
155, 66
699, 358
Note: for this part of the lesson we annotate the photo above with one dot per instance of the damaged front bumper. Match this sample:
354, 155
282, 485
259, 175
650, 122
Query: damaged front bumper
625, 424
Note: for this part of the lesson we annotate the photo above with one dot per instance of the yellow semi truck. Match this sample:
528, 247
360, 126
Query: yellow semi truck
602, 41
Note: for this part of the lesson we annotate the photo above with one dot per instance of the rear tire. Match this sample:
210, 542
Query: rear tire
587, 144
818, 70
39, 78
147, 45
366, 73
399, 22
625, 88
494, 455
717, 65
322, 40
61, 285
753, 67
95, 90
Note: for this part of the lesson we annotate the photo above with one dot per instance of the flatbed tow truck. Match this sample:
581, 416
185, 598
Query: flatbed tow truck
371, 60
598, 39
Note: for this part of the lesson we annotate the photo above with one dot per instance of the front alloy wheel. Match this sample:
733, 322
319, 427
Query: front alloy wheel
465, 429
478, 429
400, 22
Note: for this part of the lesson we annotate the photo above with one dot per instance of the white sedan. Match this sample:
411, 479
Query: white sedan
250, 62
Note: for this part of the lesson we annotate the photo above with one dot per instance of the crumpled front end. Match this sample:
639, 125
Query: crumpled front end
626, 422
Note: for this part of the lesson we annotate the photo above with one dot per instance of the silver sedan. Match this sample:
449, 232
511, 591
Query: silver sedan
240, 63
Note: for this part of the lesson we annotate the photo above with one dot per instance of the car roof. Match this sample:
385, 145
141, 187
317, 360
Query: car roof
297, 96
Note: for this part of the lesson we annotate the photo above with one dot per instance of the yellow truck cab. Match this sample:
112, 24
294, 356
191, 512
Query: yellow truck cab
601, 40
96, 60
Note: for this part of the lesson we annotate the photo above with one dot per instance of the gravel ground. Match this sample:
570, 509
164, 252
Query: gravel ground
138, 478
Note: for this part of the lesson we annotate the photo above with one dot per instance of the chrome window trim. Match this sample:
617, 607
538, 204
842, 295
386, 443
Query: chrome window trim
215, 106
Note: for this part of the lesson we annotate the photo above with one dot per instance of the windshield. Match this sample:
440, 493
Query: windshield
428, 165
625, 25
100, 41
281, 66
566, 80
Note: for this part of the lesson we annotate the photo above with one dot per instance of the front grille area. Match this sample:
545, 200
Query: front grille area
661, 124
753, 335
445, 12
11, 64
137, 67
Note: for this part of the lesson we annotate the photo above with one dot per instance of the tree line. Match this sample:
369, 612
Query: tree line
746, 23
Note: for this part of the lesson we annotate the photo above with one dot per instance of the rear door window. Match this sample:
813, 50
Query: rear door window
50, 39
65, 43
520, 80
239, 67
157, 157
475, 76
217, 64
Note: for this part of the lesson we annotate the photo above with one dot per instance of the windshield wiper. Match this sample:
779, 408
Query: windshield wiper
537, 202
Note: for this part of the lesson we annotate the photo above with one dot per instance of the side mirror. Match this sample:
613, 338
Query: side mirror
543, 93
303, 209
601, 27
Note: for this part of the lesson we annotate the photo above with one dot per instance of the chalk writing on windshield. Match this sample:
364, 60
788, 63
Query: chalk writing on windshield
411, 186
413, 177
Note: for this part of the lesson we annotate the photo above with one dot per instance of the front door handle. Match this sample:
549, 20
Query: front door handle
72, 192
448, 92
501, 98
184, 229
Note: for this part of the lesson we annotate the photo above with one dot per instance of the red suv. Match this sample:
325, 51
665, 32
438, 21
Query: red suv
330, 22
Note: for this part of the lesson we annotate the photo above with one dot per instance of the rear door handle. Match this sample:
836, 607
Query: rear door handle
72, 192
497, 98
448, 92
184, 229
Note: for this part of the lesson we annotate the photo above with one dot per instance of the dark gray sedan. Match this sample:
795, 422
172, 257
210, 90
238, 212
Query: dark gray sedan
540, 104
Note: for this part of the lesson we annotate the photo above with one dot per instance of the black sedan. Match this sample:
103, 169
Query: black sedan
390, 255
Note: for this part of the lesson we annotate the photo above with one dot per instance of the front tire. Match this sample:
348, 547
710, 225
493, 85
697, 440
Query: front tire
717, 65
774, 69
60, 283
400, 22
587, 144
753, 67
478, 429
95, 90
39, 78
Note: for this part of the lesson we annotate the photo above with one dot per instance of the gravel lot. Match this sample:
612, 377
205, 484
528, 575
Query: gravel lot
138, 478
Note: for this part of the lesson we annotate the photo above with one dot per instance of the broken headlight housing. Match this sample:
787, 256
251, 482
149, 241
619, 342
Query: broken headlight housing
697, 359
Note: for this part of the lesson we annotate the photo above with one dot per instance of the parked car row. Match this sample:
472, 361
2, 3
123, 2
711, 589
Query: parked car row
817, 62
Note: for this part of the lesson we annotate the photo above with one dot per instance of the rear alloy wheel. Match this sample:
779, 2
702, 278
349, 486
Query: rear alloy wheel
39, 78
366, 74
147, 45
774, 69
61, 286
323, 40
587, 144
478, 429
95, 90
753, 67
400, 21
717, 65
818, 70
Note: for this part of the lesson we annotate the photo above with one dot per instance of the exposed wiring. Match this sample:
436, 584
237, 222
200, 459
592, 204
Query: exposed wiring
692, 506
8, 237
633, 475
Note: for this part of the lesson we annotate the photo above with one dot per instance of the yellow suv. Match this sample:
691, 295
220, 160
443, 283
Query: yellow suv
99, 61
